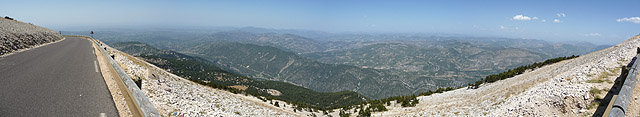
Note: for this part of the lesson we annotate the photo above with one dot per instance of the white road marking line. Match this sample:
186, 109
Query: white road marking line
103, 115
96, 65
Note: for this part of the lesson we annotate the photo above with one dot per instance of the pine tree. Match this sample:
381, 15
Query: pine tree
343, 114
405, 103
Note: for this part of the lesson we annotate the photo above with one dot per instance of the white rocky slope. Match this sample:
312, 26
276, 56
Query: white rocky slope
559, 89
16, 35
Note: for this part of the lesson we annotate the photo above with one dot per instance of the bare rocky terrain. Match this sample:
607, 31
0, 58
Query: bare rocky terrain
16, 35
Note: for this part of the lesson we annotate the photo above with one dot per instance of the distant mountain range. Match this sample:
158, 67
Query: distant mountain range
374, 65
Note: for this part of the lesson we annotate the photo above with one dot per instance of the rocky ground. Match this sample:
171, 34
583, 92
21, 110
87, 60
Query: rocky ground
16, 35
561, 89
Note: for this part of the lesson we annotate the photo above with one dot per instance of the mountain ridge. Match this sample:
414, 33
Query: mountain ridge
291, 67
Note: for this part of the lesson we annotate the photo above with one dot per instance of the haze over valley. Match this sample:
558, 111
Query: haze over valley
320, 58
374, 65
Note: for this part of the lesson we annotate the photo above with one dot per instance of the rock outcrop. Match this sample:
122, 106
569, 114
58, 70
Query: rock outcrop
16, 35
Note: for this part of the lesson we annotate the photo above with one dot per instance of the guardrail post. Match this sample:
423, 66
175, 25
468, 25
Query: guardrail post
138, 82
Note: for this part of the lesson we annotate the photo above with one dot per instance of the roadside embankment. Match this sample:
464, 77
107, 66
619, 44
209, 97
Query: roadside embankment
16, 36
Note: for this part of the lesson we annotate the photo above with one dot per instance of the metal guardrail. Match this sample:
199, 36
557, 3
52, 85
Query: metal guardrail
148, 110
622, 100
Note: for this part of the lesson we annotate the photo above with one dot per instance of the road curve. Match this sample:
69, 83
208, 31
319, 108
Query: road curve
59, 79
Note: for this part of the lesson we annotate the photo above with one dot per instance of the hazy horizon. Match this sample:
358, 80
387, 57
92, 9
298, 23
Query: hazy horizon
605, 22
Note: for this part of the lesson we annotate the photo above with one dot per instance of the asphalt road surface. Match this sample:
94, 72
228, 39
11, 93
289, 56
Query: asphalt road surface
60, 79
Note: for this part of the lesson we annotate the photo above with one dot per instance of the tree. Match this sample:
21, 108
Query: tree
414, 102
377, 107
343, 114
364, 113
405, 103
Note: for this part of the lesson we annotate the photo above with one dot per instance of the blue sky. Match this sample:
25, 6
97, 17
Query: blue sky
600, 22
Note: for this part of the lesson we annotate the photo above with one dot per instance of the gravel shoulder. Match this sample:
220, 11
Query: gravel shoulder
114, 90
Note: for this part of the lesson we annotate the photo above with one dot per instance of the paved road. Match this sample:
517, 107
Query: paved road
59, 79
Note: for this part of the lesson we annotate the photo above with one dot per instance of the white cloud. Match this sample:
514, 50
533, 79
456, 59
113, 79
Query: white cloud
508, 28
592, 35
521, 17
556, 21
635, 20
543, 20
534, 18
561, 15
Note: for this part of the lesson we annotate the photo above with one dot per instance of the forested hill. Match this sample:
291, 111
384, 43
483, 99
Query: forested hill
274, 64
195, 69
